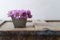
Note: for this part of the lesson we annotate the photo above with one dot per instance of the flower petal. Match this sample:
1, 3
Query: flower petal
28, 12
29, 16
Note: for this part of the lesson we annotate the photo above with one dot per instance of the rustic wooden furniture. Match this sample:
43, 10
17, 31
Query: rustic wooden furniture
34, 31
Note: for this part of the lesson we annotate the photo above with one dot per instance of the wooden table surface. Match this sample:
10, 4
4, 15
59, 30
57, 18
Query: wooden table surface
34, 26
7, 28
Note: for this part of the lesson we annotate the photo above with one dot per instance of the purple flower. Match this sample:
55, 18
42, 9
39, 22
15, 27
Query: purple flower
29, 14
17, 14
20, 14
24, 15
10, 13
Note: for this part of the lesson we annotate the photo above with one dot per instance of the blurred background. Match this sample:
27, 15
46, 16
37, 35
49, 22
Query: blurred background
40, 9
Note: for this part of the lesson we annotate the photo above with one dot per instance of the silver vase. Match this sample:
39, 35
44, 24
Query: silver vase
19, 23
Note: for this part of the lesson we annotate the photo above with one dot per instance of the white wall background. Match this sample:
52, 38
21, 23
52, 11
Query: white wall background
41, 9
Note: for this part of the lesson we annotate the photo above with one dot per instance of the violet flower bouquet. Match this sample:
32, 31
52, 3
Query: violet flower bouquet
19, 17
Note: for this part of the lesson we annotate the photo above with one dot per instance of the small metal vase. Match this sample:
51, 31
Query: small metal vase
19, 23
